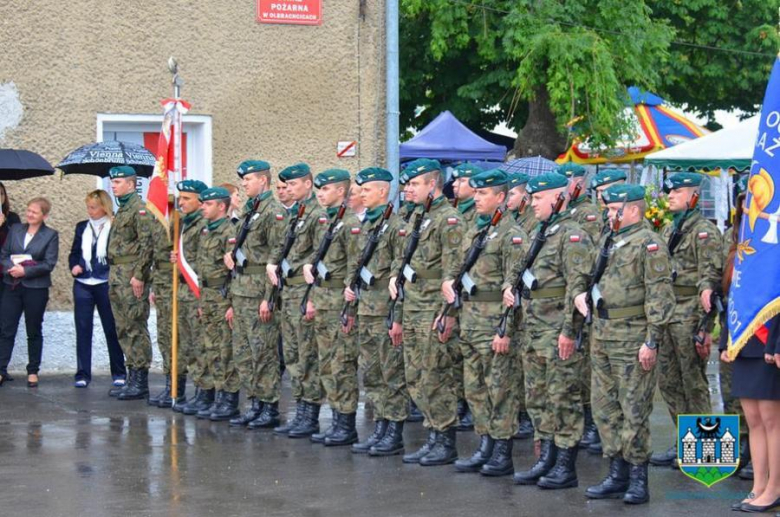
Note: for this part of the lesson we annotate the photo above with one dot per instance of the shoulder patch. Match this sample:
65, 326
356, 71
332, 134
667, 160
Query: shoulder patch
517, 240
703, 235
402, 232
142, 212
452, 220
279, 217
652, 248
355, 230
590, 218
574, 238
322, 220
232, 240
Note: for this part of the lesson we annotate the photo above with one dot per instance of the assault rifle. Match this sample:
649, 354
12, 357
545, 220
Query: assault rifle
240, 239
677, 231
283, 269
716, 309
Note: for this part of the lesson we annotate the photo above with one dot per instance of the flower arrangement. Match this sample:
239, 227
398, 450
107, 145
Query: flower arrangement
657, 211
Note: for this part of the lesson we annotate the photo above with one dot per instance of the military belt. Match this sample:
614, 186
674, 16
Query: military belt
295, 280
381, 284
685, 290
250, 270
541, 294
621, 313
332, 283
215, 281
429, 274
486, 296
163, 265
122, 259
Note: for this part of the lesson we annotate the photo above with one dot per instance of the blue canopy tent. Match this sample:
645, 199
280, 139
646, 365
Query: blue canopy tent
448, 140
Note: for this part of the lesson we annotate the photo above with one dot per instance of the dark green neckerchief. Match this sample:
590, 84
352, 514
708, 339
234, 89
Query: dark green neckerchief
332, 211
578, 201
563, 214
375, 213
213, 225
250, 203
123, 200
629, 228
679, 215
483, 220
465, 206
438, 200
189, 219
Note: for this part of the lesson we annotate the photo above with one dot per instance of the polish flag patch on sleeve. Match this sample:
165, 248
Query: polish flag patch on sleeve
652, 248
517, 240
232, 240
142, 212
703, 235
279, 217
452, 220
322, 220
590, 218
402, 233
574, 238
355, 230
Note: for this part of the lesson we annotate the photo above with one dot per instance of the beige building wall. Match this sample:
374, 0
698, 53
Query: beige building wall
282, 93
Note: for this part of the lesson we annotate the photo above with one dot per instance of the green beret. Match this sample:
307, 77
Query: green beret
214, 193
373, 174
571, 170
421, 166
623, 192
299, 170
121, 171
518, 179
546, 181
606, 177
252, 166
194, 186
466, 170
741, 184
403, 179
331, 176
491, 178
681, 180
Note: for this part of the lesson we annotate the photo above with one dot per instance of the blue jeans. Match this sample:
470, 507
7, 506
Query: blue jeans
86, 298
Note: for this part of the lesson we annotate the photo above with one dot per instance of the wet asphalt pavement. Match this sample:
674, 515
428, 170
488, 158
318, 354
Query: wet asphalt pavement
69, 452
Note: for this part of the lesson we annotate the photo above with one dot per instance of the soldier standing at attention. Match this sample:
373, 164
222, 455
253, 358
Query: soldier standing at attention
356, 203
697, 269
517, 194
428, 363
490, 362
215, 240
637, 303
553, 368
130, 257
599, 183
255, 328
381, 355
300, 347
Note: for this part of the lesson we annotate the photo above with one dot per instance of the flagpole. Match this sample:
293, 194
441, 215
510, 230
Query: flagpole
177, 176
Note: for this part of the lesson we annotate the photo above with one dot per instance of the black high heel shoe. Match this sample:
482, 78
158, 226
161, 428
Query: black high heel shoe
30, 383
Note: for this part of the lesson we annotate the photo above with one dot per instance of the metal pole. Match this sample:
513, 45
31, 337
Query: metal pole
177, 175
393, 112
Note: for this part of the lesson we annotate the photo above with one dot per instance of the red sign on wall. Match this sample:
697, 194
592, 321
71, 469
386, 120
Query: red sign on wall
294, 12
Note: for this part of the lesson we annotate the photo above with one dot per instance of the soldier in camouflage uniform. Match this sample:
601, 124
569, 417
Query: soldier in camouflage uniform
517, 193
637, 303
697, 272
552, 366
428, 363
381, 355
490, 362
255, 328
337, 345
216, 238
599, 183
130, 256
300, 347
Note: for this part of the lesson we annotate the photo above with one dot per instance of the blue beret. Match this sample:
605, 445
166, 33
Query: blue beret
252, 166
546, 181
466, 170
194, 186
623, 192
682, 179
518, 179
606, 177
491, 178
571, 170
373, 174
421, 166
121, 171
331, 176
299, 170
214, 193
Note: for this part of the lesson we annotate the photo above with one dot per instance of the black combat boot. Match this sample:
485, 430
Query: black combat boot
415, 415
179, 408
614, 485
392, 441
253, 410
300, 407
414, 457
443, 451
744, 455
380, 427
638, 491
525, 428
664, 459
205, 411
564, 473
334, 421
116, 390
480, 457
139, 389
500, 463
591, 434
543, 465
228, 409
268, 419
465, 418
205, 400
309, 424
181, 387
345, 433
164, 394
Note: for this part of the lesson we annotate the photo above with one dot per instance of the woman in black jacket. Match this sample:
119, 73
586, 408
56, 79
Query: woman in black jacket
28, 258
7, 219
88, 262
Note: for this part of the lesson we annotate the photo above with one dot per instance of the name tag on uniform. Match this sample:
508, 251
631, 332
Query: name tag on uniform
492, 236
425, 224
620, 244
552, 230
256, 217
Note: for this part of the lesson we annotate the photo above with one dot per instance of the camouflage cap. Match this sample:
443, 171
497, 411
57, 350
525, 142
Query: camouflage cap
518, 179
299, 170
121, 171
491, 178
466, 170
213, 193
252, 166
682, 180
571, 170
623, 192
606, 177
193, 186
331, 176
421, 166
546, 181
373, 174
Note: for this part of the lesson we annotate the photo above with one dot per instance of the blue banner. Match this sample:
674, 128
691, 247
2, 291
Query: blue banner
754, 297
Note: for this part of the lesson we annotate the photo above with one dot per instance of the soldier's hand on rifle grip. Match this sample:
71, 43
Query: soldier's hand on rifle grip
346, 329
509, 297
449, 324
647, 357
396, 334
138, 287
706, 300
393, 288
703, 345
447, 291
229, 317
565, 347
349, 295
307, 274
581, 303
228, 260
264, 313
311, 312
270, 271
500, 344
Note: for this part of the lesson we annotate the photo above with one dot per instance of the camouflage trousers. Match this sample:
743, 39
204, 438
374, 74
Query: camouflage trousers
731, 404
255, 350
131, 315
585, 374
518, 339
683, 381
163, 303
428, 366
490, 382
218, 345
190, 339
383, 370
300, 349
553, 396
338, 360
622, 400
457, 362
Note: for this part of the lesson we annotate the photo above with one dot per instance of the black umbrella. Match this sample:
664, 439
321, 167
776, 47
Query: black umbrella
19, 165
96, 159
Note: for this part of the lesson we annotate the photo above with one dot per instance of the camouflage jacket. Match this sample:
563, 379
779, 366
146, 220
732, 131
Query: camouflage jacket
698, 262
562, 264
526, 220
266, 228
373, 300
189, 241
436, 259
163, 246
638, 275
507, 243
588, 216
306, 243
131, 238
329, 295
215, 241
467, 211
